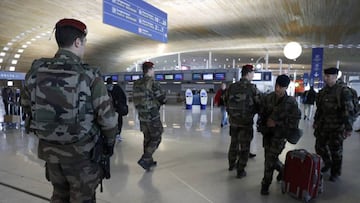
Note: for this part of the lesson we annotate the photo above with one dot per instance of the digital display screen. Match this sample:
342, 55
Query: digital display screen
257, 76
169, 76
127, 77
135, 77
266, 76
178, 76
159, 77
219, 76
114, 78
196, 76
208, 76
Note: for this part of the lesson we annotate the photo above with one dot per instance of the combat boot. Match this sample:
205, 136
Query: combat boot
265, 189
241, 174
144, 164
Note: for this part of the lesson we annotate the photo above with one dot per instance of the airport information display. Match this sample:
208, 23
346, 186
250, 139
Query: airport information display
136, 16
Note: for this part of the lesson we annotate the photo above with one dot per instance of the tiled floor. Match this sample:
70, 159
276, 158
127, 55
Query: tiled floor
192, 165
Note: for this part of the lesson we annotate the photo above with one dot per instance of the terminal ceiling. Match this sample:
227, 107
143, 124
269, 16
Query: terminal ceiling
235, 31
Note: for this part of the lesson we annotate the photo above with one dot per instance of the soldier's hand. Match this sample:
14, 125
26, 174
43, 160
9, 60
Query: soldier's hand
270, 123
346, 134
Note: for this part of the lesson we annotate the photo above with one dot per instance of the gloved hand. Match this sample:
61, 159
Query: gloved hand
109, 149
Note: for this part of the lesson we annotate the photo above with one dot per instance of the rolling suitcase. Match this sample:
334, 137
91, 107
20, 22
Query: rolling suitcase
302, 176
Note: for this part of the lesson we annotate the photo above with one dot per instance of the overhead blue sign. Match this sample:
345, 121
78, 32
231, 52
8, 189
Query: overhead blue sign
316, 67
9, 75
136, 16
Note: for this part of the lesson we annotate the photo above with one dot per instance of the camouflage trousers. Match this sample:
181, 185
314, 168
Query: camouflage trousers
240, 146
74, 183
152, 137
273, 144
329, 145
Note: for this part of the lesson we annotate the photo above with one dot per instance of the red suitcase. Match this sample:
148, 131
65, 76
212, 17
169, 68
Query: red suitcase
302, 176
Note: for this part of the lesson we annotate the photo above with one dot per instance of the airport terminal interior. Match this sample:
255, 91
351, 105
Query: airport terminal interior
194, 45
192, 165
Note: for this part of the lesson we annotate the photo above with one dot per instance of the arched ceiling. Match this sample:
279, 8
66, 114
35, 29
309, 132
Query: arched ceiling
231, 29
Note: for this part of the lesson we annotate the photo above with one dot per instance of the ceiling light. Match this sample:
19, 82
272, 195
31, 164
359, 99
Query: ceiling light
331, 46
2, 53
6, 49
17, 56
10, 43
12, 68
292, 50
14, 62
20, 50
340, 46
28, 42
24, 46
1, 60
10, 83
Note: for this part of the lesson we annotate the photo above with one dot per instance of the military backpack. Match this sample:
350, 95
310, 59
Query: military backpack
240, 101
354, 98
58, 103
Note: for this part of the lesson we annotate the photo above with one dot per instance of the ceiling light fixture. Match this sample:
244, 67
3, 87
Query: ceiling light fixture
292, 50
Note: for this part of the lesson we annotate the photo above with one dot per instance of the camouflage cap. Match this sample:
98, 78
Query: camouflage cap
72, 23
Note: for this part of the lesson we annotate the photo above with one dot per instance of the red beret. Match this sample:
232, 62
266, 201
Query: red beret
247, 68
148, 64
73, 23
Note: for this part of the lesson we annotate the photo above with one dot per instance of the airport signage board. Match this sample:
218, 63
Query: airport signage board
316, 67
9, 75
136, 16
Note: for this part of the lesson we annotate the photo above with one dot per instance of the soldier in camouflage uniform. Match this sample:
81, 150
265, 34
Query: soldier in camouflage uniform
69, 107
242, 101
332, 122
279, 114
148, 96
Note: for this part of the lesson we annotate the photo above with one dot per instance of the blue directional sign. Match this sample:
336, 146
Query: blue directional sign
316, 66
136, 16
9, 75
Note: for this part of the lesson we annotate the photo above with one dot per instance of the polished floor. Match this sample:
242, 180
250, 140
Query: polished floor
192, 165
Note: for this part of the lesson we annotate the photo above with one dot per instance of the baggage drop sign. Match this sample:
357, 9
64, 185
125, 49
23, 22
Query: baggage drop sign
136, 16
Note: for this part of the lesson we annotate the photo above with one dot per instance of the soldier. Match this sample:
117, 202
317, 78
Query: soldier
69, 107
242, 101
278, 114
332, 122
148, 97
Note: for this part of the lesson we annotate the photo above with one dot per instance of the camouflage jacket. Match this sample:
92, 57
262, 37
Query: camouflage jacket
98, 113
284, 111
148, 96
329, 114
242, 100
